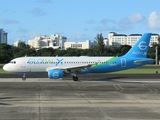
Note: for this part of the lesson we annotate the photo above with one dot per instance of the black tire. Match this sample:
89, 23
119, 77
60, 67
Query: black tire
75, 78
23, 78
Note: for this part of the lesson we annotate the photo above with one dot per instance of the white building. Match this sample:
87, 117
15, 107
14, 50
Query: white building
154, 39
80, 45
106, 42
3, 36
17, 42
122, 39
55, 41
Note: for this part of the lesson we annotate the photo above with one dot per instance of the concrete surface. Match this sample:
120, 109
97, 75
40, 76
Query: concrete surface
110, 99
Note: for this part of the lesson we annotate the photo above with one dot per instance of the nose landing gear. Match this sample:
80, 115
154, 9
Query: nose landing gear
24, 77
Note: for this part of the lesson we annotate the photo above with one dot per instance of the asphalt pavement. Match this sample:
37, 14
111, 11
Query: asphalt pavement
44, 99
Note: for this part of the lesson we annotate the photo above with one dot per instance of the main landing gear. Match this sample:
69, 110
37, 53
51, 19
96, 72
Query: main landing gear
24, 77
75, 78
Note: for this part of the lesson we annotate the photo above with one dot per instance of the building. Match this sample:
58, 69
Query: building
154, 39
55, 41
106, 42
3, 36
80, 45
17, 42
122, 39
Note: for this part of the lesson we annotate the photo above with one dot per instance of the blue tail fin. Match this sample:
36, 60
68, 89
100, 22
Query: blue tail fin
140, 49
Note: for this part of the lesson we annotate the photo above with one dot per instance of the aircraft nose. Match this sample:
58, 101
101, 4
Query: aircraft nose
5, 67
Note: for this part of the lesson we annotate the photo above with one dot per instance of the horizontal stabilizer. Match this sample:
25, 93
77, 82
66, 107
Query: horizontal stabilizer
142, 61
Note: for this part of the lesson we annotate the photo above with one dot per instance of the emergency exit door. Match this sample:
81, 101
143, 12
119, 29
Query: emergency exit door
123, 62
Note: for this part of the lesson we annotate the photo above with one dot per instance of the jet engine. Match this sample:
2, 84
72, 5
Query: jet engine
55, 74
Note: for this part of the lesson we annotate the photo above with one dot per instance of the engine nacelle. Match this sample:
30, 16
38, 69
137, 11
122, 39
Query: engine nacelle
55, 74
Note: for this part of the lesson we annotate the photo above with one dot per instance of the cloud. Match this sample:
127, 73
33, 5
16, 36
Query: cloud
123, 24
106, 21
107, 25
8, 21
135, 18
154, 20
128, 22
38, 12
44, 1
22, 30
79, 37
91, 21
107, 28
5, 11
85, 29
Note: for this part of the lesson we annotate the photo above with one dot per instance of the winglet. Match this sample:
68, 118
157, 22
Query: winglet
140, 49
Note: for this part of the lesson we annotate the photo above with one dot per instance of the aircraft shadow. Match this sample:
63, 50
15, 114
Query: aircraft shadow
4, 104
5, 99
105, 79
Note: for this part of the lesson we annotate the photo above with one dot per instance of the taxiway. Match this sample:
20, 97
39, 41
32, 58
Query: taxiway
110, 99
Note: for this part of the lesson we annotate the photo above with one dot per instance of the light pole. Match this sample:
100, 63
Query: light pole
156, 54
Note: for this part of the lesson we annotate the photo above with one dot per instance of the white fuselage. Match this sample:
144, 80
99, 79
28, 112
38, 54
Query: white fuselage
40, 64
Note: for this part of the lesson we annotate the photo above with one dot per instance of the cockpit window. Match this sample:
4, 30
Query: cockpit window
13, 62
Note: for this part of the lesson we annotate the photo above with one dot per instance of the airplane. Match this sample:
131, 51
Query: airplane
59, 66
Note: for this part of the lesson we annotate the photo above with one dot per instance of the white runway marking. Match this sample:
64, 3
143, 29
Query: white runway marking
138, 81
128, 81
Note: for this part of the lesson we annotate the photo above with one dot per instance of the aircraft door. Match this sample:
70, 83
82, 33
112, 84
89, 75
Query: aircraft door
23, 64
123, 62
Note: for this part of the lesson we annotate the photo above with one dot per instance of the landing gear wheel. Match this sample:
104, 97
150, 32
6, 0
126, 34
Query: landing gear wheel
23, 78
75, 78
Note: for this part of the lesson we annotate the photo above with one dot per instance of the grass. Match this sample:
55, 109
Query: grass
137, 71
1, 65
4, 72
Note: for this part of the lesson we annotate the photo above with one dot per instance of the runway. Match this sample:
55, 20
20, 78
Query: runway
91, 76
110, 99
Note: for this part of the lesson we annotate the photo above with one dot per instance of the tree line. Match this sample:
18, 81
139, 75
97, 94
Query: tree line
9, 52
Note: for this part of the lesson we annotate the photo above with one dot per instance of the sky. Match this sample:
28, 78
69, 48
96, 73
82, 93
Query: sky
78, 20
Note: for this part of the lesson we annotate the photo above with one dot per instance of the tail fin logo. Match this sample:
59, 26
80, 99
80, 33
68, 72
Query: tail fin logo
140, 48
142, 45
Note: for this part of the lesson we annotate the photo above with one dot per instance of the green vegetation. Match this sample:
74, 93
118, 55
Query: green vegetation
8, 52
1, 65
3, 72
137, 71
99, 48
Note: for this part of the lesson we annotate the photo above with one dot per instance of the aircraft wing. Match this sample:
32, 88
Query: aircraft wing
141, 61
71, 68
